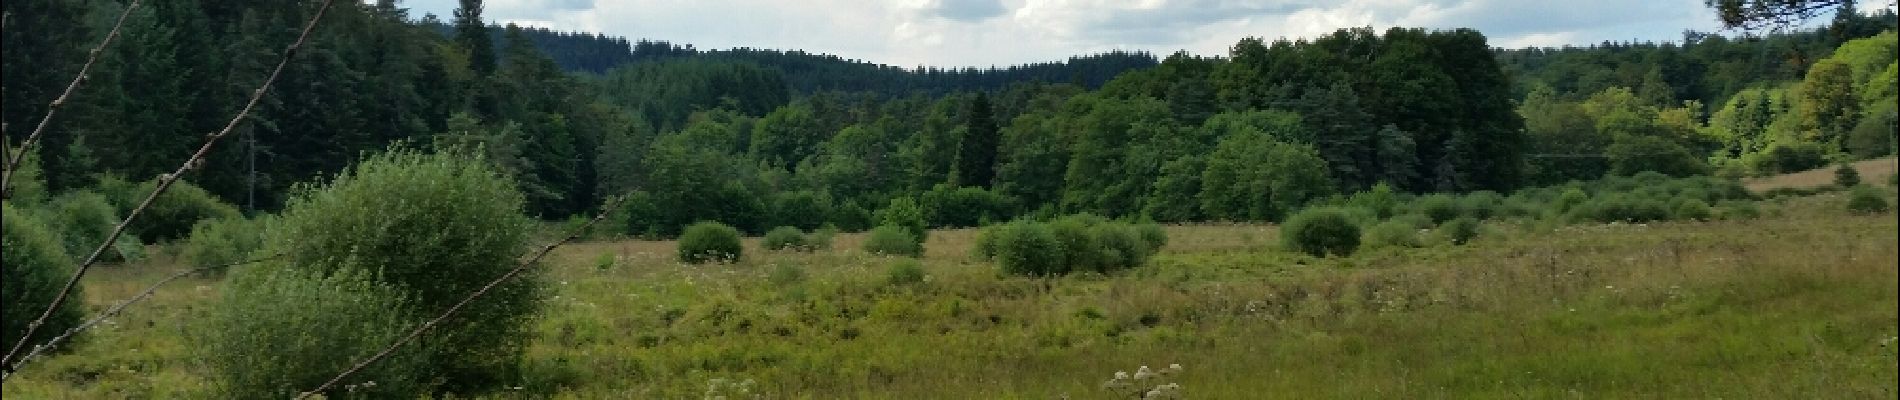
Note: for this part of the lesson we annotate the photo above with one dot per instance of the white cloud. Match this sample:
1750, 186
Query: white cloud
1004, 32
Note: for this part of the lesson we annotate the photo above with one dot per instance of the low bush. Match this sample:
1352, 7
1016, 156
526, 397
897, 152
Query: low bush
904, 212
435, 227
1439, 207
279, 332
1070, 244
801, 209
217, 242
709, 241
1460, 231
1846, 176
893, 240
1380, 199
1392, 233
787, 238
1321, 231
84, 219
1866, 200
945, 206
1569, 200
35, 267
904, 272
821, 239
172, 215
1620, 208
1688, 208
1482, 204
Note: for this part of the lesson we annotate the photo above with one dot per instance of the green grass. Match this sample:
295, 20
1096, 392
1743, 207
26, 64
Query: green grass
1799, 304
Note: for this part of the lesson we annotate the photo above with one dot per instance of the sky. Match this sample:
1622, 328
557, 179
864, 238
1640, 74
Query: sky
980, 33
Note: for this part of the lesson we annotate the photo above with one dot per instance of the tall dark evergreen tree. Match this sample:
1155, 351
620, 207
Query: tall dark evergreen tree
976, 150
472, 34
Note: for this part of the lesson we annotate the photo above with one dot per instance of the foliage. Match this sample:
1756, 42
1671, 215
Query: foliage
801, 209
1846, 176
893, 240
84, 219
1392, 233
1073, 243
1253, 177
1867, 200
1320, 232
903, 212
1439, 207
709, 241
172, 214
788, 238
904, 271
275, 333
1690, 209
35, 269
1620, 208
218, 242
965, 206
433, 227
1460, 231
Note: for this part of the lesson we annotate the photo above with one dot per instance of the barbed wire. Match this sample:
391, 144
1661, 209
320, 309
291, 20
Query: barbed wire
165, 182
511, 274
116, 309
14, 157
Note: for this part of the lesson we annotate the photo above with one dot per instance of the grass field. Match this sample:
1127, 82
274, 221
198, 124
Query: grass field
1877, 171
1801, 303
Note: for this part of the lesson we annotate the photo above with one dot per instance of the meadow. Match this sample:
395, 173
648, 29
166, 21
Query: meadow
1800, 303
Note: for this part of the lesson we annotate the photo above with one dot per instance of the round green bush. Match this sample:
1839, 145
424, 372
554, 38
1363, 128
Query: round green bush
219, 242
1686, 208
1119, 247
1620, 208
905, 213
801, 209
904, 272
1460, 231
1866, 200
710, 241
1320, 232
1025, 248
84, 219
1393, 233
35, 267
1481, 204
1439, 207
786, 238
1846, 176
276, 333
892, 240
1570, 199
434, 227
172, 214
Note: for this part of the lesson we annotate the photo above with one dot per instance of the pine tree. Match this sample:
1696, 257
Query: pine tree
976, 150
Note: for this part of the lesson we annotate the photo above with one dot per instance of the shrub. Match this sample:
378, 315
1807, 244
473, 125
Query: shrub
801, 209
277, 333
172, 215
84, 219
216, 242
1321, 231
821, 239
965, 206
1482, 204
1380, 199
1025, 248
904, 213
1790, 157
852, 217
35, 267
893, 240
786, 237
1439, 207
1846, 176
710, 241
904, 272
1153, 234
1620, 208
1736, 210
1118, 246
1392, 233
1460, 231
1686, 208
434, 227
1866, 200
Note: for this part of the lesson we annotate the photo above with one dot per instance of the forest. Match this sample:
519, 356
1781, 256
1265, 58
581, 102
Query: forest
381, 118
